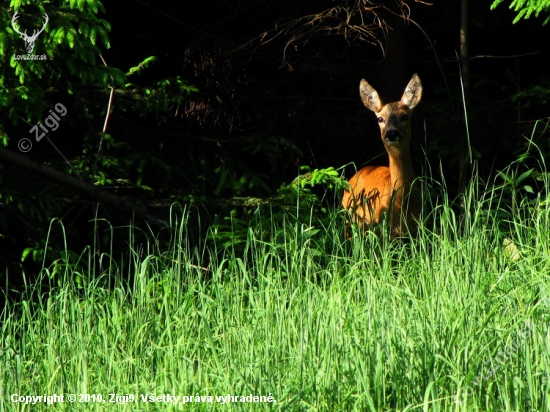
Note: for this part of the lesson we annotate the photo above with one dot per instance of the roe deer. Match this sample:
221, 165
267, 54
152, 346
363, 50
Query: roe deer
378, 190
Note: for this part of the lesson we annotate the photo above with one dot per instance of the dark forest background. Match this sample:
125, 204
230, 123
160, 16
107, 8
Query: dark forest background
238, 97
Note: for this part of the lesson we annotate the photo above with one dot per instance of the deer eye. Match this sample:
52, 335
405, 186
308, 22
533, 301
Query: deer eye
380, 120
404, 118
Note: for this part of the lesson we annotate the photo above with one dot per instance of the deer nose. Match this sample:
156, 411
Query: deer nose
393, 135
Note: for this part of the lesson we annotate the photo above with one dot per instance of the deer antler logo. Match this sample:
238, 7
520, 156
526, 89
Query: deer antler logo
29, 40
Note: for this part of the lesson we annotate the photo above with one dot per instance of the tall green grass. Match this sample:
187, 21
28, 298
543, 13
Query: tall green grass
295, 311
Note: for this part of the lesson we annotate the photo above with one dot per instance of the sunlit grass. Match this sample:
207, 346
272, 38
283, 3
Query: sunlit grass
318, 322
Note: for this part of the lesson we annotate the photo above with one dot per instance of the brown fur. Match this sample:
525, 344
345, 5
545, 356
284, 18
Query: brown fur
380, 190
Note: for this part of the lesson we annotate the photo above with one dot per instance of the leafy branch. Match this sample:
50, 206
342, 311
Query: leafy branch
526, 8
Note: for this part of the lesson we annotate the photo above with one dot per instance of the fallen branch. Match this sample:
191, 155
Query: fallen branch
107, 199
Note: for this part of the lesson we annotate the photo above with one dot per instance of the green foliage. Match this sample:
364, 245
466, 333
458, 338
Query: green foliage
514, 187
526, 8
140, 67
70, 44
156, 100
70, 265
329, 177
519, 191
70, 70
534, 96
294, 207
67, 63
236, 177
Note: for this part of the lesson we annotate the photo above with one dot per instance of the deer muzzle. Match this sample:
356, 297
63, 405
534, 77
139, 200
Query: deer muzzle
393, 136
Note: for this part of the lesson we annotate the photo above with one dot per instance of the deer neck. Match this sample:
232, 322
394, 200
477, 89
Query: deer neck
401, 170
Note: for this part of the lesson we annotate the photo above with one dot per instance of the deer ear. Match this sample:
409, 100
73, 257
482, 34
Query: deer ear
370, 97
413, 92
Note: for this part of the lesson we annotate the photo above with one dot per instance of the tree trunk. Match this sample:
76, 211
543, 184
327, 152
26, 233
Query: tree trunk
465, 73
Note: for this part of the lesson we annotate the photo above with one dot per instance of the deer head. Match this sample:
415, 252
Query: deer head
393, 118
29, 40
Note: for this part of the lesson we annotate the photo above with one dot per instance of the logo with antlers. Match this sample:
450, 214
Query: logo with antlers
29, 40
